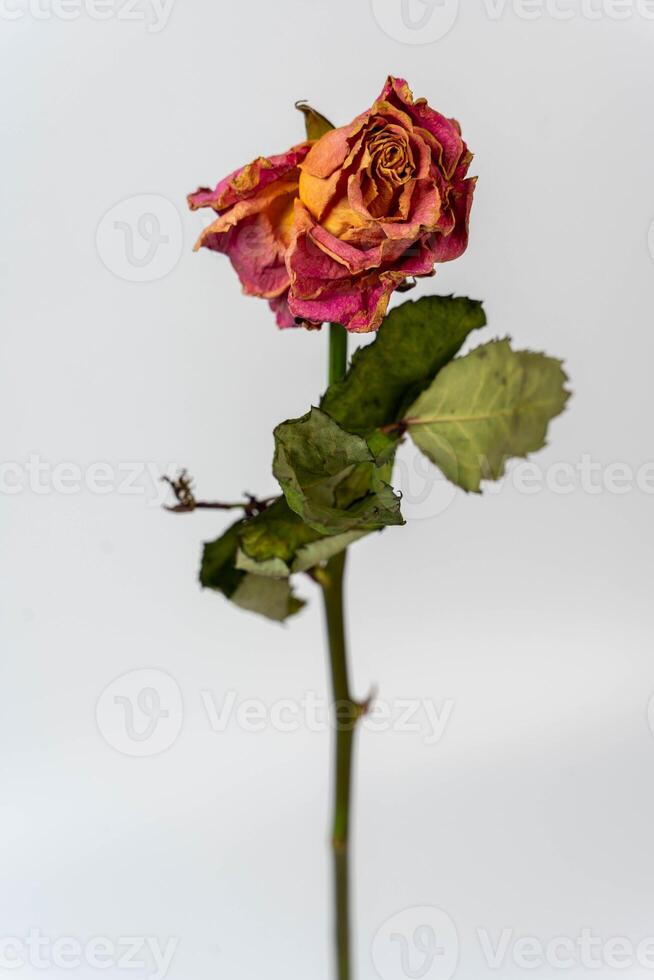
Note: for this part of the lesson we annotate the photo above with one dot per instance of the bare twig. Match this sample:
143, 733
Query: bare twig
182, 488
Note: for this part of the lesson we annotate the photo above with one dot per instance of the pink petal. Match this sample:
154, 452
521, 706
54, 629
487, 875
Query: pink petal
248, 180
283, 316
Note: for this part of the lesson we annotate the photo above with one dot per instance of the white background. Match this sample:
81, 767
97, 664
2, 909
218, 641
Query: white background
531, 613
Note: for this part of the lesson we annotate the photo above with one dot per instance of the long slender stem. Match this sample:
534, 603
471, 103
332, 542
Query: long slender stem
345, 709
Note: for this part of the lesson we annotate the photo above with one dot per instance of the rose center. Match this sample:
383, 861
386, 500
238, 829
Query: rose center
391, 160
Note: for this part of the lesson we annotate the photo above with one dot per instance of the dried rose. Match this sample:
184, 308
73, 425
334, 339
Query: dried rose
330, 229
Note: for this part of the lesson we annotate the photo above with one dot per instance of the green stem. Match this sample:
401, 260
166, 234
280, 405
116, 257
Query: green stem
345, 709
337, 352
345, 712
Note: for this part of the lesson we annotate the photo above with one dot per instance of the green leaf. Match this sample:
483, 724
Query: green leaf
277, 543
267, 596
316, 124
481, 409
323, 549
270, 567
330, 478
414, 341
254, 592
272, 539
218, 570
264, 549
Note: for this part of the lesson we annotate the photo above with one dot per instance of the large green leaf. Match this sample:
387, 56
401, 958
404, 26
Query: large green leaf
330, 478
255, 592
316, 124
485, 407
264, 549
278, 542
414, 341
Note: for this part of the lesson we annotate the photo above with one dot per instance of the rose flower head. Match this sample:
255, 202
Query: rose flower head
329, 230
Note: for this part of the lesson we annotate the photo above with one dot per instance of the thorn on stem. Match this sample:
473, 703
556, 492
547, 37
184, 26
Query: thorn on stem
363, 707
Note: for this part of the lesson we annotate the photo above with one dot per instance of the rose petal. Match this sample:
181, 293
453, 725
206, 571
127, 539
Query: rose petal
359, 310
448, 247
283, 316
247, 180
